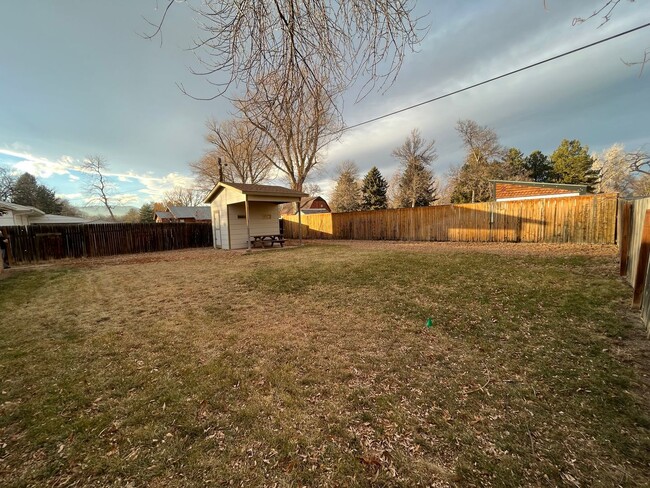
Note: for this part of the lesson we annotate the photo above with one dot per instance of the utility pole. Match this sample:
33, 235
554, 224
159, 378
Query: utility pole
220, 169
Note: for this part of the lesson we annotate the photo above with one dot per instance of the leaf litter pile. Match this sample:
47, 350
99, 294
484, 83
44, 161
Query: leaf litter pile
314, 366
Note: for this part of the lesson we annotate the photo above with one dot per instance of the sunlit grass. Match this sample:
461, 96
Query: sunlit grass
313, 366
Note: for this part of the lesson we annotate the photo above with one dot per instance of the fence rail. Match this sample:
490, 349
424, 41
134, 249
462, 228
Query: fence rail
45, 242
586, 219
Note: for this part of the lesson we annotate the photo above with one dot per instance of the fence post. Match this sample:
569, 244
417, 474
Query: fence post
624, 239
642, 265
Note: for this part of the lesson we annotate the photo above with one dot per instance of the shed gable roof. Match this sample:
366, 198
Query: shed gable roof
250, 189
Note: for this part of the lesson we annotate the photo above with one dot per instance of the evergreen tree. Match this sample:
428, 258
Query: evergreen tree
146, 213
347, 193
417, 186
27, 191
373, 191
572, 164
513, 166
539, 167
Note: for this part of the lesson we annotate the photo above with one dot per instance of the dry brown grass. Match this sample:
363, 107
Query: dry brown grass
313, 367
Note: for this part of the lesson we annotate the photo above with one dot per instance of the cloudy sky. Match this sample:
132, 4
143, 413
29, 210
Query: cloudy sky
77, 79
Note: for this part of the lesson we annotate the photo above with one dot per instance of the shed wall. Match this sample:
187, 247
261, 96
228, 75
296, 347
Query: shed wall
264, 220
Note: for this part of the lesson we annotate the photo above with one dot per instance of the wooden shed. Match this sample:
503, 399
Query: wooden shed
240, 211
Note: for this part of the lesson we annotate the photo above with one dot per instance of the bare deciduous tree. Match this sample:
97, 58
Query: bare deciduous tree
639, 161
614, 171
183, 197
341, 41
297, 123
98, 188
605, 12
206, 171
482, 163
481, 142
242, 148
7, 182
312, 189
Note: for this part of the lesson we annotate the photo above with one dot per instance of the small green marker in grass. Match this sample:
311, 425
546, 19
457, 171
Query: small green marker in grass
429, 323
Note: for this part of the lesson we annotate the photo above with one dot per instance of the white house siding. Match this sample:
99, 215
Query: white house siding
11, 218
7, 219
264, 220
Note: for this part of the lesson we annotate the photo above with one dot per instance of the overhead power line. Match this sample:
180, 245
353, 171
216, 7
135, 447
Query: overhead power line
509, 73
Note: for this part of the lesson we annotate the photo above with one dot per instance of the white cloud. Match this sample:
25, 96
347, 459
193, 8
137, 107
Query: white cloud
38, 166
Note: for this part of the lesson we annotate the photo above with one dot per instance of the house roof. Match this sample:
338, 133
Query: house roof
198, 213
249, 189
164, 215
58, 219
560, 186
20, 209
306, 202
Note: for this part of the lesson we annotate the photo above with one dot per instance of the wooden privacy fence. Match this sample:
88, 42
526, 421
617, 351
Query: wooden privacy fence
585, 219
634, 229
44, 242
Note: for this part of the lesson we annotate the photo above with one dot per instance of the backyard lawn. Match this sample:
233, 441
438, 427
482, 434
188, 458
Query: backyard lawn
313, 367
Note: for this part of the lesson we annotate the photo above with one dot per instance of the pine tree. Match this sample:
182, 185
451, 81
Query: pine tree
539, 167
147, 213
28, 192
513, 166
572, 164
25, 190
373, 191
347, 193
417, 186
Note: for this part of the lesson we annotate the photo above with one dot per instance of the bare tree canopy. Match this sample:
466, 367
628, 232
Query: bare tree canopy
242, 148
98, 188
604, 12
298, 124
481, 142
183, 197
7, 182
342, 41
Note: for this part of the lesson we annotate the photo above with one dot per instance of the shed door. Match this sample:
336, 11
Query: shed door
216, 228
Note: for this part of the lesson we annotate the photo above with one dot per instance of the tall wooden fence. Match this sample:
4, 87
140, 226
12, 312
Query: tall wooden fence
635, 252
585, 219
44, 242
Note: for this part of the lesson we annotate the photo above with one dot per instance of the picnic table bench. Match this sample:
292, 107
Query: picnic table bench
267, 240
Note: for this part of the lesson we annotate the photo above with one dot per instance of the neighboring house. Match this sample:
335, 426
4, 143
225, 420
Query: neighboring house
504, 191
242, 210
312, 205
308, 205
14, 214
184, 214
164, 217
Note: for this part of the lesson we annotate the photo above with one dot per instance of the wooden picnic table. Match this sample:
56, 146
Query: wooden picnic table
267, 240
